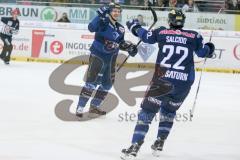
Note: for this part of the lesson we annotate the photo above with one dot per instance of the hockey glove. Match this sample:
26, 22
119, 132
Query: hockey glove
132, 51
211, 49
129, 47
133, 25
103, 11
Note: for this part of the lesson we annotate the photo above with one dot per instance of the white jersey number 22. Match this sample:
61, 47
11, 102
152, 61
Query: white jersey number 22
171, 49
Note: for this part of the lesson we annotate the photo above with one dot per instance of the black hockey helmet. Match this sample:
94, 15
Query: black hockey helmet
113, 5
176, 18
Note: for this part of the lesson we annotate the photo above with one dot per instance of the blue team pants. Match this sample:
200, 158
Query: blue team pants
166, 105
100, 77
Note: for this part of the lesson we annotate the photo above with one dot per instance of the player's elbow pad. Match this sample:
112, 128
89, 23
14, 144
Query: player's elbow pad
91, 27
141, 32
145, 36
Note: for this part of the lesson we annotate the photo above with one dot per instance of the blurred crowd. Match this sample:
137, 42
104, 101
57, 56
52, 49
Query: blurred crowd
232, 4
186, 5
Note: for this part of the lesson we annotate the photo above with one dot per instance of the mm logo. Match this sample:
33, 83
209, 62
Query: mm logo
49, 14
78, 15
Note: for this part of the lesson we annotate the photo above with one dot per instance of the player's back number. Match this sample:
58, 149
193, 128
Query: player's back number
170, 50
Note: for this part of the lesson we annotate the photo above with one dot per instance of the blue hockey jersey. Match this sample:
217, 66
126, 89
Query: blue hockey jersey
176, 52
107, 36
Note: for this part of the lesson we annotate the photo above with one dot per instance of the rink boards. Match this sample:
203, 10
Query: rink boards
57, 43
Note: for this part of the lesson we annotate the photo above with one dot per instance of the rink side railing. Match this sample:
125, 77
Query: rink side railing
52, 42
127, 65
81, 14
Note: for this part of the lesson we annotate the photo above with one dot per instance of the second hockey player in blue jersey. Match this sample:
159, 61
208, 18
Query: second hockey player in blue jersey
172, 80
109, 39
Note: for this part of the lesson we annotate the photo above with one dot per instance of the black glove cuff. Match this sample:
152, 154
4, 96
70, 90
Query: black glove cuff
211, 49
134, 30
132, 50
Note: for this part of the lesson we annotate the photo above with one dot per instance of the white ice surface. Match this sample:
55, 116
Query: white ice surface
29, 128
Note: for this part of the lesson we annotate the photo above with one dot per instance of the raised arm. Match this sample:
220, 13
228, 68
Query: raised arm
143, 34
100, 22
4, 20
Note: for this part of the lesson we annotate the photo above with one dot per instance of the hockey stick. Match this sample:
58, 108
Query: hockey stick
154, 22
203, 66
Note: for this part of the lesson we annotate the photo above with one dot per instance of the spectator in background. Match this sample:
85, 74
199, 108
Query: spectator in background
105, 1
231, 5
60, 1
78, 1
145, 2
162, 4
120, 1
7, 1
25, 2
93, 1
86, 1
190, 6
174, 4
238, 5
64, 18
182, 2
57, 2
140, 19
136, 2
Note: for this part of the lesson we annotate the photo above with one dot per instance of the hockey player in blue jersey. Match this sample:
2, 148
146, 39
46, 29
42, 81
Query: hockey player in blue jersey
172, 80
109, 39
